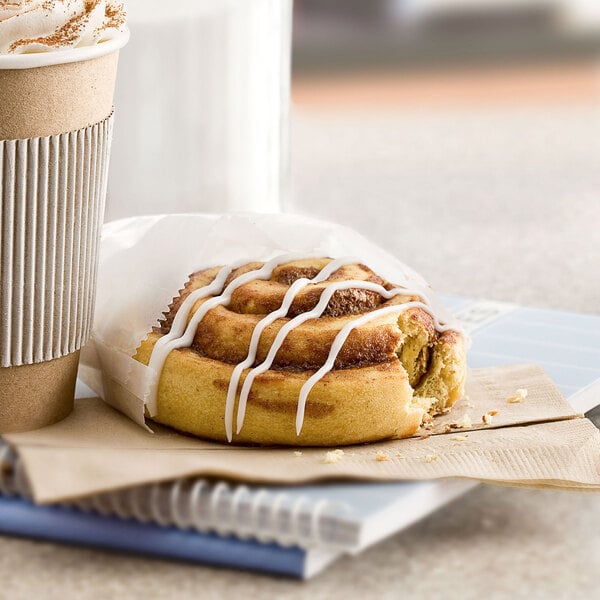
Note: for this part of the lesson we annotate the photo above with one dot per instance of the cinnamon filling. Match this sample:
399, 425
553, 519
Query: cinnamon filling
224, 333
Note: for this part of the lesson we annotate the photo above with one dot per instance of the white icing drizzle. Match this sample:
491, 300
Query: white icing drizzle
339, 341
178, 325
178, 337
315, 313
282, 311
181, 336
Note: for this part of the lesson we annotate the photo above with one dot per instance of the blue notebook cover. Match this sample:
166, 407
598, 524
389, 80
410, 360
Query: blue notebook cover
55, 523
566, 345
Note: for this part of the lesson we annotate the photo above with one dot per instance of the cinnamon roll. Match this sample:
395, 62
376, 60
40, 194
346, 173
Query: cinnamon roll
301, 352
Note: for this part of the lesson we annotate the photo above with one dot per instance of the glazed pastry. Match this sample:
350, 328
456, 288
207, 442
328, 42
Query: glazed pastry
302, 352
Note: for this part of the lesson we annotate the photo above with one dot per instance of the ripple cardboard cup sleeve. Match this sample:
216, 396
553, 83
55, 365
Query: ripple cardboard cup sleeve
55, 131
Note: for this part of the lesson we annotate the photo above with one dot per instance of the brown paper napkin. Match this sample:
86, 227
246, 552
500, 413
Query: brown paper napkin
541, 441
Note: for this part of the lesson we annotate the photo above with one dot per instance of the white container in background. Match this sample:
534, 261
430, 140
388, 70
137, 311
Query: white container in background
203, 94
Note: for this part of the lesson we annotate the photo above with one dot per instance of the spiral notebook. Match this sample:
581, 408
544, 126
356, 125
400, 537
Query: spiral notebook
298, 531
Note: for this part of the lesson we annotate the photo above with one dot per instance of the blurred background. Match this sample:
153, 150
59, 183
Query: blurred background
461, 135
460, 132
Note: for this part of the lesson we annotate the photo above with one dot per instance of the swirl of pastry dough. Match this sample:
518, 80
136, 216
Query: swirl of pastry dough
310, 352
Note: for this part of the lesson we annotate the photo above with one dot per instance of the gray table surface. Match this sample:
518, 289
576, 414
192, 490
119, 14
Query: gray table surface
498, 204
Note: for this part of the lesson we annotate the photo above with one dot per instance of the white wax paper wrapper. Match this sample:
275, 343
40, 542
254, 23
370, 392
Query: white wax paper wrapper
145, 261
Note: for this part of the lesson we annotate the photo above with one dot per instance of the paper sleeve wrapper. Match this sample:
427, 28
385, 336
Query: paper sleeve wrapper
55, 133
145, 261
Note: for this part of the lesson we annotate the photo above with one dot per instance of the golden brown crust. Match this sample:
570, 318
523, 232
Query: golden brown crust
347, 406
368, 395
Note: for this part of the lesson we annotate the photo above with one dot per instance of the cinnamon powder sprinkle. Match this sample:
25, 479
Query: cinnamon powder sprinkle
70, 32
115, 16
65, 35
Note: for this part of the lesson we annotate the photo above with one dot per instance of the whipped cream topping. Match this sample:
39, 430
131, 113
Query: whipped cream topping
35, 26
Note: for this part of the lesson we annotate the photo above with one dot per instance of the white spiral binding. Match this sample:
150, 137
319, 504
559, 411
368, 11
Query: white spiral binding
84, 505
221, 527
261, 534
164, 519
199, 505
235, 510
275, 519
101, 503
137, 512
315, 516
195, 496
174, 501
117, 502
295, 533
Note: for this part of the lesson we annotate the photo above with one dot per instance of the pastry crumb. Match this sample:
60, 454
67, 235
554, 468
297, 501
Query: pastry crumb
297, 453
427, 422
463, 423
381, 457
518, 396
424, 436
399, 455
430, 458
487, 418
333, 456
459, 438
492, 412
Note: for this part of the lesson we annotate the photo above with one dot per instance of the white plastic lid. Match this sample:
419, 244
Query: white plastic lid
59, 57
